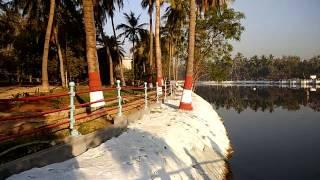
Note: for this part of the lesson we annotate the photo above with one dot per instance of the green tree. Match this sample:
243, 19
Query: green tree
150, 5
110, 6
132, 31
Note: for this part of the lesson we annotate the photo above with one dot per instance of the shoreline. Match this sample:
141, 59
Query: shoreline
165, 143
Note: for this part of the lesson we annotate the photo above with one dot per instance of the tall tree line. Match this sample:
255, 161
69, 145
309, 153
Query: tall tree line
263, 68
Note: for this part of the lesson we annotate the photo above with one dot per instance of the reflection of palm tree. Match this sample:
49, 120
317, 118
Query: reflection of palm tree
132, 31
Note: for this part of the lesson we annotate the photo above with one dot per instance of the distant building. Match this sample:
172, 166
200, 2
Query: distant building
127, 62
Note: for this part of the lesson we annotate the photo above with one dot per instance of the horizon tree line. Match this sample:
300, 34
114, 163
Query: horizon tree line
264, 67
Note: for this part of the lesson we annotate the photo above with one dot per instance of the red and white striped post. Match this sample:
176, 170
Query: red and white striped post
95, 86
186, 98
96, 93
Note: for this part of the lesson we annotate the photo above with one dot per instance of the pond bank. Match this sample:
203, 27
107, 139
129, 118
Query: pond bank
166, 143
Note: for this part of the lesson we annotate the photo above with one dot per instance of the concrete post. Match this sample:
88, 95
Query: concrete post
119, 98
72, 94
145, 95
157, 92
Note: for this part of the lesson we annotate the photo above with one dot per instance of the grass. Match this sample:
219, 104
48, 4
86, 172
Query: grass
93, 125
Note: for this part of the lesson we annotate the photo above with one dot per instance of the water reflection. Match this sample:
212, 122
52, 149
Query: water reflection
260, 98
283, 144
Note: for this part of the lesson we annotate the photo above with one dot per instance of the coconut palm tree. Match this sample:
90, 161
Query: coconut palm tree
45, 81
100, 19
61, 62
115, 47
91, 52
110, 7
132, 31
158, 46
176, 17
186, 99
35, 10
150, 5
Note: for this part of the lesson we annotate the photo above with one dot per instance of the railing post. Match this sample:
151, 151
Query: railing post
165, 89
145, 95
72, 93
157, 92
119, 98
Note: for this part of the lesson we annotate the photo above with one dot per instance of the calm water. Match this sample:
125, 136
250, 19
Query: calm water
275, 132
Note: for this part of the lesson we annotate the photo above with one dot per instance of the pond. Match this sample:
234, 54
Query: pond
274, 132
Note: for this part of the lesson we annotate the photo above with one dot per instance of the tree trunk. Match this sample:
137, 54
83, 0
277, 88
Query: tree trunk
45, 81
186, 98
30, 78
55, 33
173, 61
158, 48
177, 64
121, 73
150, 35
66, 78
170, 55
119, 60
92, 58
108, 54
18, 74
150, 45
133, 64
67, 72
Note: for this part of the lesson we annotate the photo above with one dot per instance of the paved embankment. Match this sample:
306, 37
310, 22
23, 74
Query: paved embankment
166, 143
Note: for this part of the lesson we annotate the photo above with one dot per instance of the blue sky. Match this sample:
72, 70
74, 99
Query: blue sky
279, 27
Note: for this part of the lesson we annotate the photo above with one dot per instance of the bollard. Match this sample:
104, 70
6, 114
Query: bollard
157, 93
72, 93
145, 95
119, 98
165, 90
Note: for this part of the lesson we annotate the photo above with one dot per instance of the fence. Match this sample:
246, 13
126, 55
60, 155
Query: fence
73, 117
